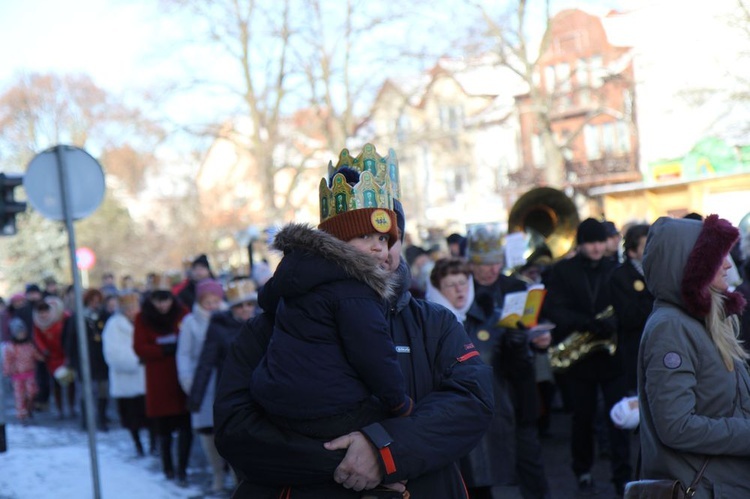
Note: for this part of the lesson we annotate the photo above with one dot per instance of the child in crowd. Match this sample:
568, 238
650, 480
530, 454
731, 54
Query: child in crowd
19, 362
331, 366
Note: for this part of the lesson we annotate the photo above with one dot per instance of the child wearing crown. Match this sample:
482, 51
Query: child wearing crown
331, 366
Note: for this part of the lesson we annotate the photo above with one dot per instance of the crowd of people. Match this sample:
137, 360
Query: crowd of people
153, 356
367, 363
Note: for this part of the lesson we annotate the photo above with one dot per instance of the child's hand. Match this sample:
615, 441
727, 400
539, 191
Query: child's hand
398, 486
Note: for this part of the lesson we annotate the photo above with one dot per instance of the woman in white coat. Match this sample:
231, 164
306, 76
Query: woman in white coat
127, 377
209, 298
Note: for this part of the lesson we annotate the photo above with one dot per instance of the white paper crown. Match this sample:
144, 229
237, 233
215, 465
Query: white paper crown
484, 243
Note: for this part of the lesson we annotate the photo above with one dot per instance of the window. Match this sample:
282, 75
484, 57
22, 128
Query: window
584, 97
623, 137
549, 79
582, 73
627, 102
402, 128
596, 70
458, 180
608, 137
562, 73
451, 117
537, 150
592, 142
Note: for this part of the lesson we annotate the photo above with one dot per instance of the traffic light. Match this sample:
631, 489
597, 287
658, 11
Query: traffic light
9, 207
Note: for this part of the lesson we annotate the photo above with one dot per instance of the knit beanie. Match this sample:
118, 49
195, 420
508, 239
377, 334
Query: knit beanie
591, 231
355, 223
208, 287
400, 218
609, 228
201, 260
17, 326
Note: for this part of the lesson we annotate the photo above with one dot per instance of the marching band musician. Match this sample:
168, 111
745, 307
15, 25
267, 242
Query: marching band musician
578, 298
632, 302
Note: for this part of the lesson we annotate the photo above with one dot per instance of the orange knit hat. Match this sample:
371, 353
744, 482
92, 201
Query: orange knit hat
355, 223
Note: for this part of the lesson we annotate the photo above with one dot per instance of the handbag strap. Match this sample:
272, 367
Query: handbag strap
693, 488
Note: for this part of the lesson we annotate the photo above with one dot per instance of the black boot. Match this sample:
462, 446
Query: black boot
83, 415
153, 449
101, 415
165, 441
184, 442
137, 442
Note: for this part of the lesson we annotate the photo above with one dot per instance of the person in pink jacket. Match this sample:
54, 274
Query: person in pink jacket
19, 362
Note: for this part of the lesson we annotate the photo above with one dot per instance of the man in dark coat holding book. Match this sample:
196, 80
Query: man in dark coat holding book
511, 452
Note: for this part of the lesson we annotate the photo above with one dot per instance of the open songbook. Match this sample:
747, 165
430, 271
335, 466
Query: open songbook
522, 306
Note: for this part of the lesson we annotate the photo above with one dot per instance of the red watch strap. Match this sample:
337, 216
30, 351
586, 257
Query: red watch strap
387, 457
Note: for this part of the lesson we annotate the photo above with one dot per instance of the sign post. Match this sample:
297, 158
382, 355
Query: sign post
65, 183
3, 440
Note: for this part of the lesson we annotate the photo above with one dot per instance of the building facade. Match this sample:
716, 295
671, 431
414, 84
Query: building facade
585, 97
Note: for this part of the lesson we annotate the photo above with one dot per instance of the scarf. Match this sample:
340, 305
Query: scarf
435, 296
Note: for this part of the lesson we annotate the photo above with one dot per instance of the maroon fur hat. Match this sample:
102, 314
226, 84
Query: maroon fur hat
716, 238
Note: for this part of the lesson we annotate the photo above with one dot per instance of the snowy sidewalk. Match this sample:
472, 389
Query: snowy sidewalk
54, 462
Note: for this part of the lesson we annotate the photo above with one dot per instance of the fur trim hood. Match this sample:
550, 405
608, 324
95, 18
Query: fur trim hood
296, 237
681, 259
56, 307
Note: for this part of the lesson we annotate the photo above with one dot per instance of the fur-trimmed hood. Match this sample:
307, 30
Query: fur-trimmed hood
320, 257
681, 259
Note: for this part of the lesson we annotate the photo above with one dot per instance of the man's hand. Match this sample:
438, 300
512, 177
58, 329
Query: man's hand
360, 469
542, 341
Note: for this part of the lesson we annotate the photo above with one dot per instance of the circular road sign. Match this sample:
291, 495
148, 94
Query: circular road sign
84, 180
85, 258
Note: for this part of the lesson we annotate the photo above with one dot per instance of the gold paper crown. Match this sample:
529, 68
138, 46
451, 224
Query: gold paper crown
378, 183
129, 300
484, 243
240, 291
161, 282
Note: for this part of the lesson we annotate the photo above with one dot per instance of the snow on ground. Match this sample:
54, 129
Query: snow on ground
55, 463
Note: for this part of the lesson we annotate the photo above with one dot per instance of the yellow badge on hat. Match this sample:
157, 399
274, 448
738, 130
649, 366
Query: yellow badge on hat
381, 221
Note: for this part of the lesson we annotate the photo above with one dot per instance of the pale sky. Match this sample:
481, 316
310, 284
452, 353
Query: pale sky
117, 42
114, 41
121, 45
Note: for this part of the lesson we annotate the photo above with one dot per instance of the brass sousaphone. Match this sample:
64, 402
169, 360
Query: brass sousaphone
550, 219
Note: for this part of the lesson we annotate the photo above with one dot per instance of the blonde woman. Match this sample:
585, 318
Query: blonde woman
693, 382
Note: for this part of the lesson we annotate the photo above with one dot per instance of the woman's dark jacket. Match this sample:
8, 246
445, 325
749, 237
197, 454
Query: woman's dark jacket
451, 386
222, 329
331, 347
94, 326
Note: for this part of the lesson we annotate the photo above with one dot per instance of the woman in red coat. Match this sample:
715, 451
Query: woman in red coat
49, 319
155, 342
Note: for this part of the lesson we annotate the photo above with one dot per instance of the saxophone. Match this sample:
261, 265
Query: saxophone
580, 344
